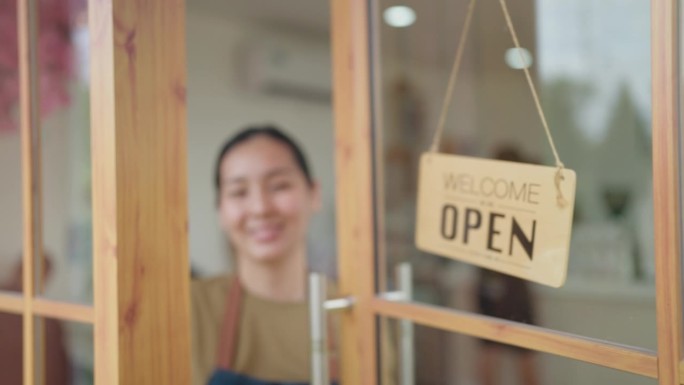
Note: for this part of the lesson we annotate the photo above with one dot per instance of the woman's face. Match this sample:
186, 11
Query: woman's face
265, 200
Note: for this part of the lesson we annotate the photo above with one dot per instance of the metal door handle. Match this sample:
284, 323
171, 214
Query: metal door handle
319, 305
407, 360
406, 332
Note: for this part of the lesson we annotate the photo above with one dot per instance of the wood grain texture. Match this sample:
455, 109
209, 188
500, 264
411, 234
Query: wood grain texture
354, 189
141, 268
630, 359
667, 209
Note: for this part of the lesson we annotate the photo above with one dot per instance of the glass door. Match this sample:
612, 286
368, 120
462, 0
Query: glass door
606, 77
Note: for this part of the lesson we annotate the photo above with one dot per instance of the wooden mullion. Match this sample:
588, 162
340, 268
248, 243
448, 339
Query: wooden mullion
63, 311
31, 186
616, 356
354, 188
103, 142
12, 303
666, 197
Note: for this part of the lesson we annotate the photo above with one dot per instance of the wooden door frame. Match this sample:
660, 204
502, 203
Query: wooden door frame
356, 227
141, 271
139, 163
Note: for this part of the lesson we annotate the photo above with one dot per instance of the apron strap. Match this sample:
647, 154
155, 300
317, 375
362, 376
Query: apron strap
231, 323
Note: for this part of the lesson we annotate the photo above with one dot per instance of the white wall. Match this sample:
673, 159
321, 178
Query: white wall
218, 106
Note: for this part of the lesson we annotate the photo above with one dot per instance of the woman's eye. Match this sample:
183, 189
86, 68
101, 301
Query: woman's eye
236, 193
280, 186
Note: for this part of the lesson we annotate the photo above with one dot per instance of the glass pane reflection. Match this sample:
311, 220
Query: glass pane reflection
65, 353
11, 221
595, 90
11, 340
65, 150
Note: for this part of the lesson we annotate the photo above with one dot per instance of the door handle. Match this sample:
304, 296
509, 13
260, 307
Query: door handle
407, 359
319, 306
406, 333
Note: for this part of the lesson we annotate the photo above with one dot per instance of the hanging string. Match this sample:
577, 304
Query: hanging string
452, 79
559, 172
530, 82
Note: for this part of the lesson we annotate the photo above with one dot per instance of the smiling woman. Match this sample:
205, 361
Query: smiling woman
266, 197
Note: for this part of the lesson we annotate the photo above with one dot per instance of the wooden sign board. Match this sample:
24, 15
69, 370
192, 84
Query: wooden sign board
499, 215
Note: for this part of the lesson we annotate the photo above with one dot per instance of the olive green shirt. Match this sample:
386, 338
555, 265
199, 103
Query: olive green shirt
273, 343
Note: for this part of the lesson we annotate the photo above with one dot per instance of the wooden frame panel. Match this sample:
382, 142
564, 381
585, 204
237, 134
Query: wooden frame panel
355, 224
354, 196
666, 186
611, 355
138, 116
141, 269
103, 150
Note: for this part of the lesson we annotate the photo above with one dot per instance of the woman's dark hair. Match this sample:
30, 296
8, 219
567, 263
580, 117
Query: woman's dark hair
268, 131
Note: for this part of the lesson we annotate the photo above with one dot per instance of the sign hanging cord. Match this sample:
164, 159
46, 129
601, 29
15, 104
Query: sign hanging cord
452, 81
559, 172
452, 78
530, 83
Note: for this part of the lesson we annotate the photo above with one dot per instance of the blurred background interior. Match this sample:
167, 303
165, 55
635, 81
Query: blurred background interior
265, 61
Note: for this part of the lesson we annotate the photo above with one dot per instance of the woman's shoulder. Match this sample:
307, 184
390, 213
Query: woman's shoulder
210, 284
208, 295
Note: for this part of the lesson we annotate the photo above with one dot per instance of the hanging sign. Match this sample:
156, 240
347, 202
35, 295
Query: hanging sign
510, 217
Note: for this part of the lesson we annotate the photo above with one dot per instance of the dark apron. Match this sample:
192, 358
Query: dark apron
224, 375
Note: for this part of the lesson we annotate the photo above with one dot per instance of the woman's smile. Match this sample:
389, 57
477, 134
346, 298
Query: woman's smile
265, 233
266, 200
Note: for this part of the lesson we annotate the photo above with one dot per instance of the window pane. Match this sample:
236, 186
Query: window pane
64, 353
592, 68
11, 220
65, 155
11, 340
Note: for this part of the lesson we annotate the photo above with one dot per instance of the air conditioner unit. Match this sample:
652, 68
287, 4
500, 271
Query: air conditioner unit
288, 67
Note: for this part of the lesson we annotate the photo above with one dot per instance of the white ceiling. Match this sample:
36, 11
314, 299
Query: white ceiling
431, 40
304, 15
